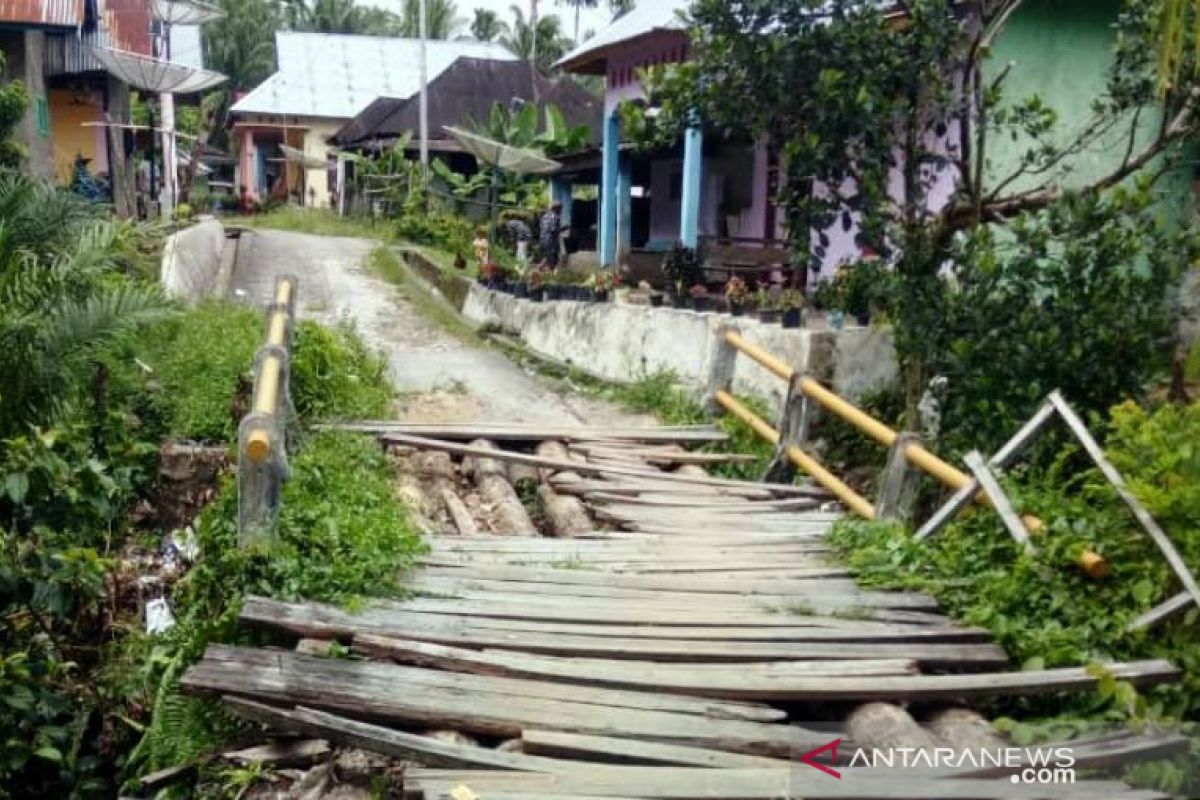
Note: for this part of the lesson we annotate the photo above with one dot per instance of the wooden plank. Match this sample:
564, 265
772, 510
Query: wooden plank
832, 592
576, 466
776, 682
517, 432
666, 500
670, 583
363, 689
1148, 523
632, 488
330, 622
609, 749
758, 681
463, 520
386, 741
694, 783
999, 499
1172, 605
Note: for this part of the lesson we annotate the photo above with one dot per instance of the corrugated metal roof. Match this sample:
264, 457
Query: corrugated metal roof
336, 76
52, 13
644, 18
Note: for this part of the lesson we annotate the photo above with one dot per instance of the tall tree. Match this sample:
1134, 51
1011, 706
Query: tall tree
487, 25
620, 7
887, 119
544, 45
442, 20
578, 4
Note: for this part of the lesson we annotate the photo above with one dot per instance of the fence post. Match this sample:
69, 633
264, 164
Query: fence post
793, 431
899, 483
721, 364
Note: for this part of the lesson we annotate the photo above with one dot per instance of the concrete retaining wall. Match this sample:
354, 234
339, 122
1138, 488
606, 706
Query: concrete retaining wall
621, 342
194, 266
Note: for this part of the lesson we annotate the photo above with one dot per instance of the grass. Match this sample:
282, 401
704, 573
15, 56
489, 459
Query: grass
391, 268
320, 221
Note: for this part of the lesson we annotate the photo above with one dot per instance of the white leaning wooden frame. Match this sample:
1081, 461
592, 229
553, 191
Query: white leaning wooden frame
985, 481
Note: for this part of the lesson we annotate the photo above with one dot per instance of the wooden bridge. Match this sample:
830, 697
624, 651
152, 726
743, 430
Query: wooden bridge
649, 631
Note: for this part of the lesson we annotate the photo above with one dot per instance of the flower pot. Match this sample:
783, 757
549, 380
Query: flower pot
537, 294
520, 289
600, 296
494, 284
769, 316
737, 310
863, 318
681, 301
792, 318
656, 300
701, 304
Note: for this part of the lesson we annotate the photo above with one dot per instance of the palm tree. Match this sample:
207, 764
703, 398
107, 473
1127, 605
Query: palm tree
1179, 23
61, 305
620, 7
578, 4
242, 44
442, 20
548, 42
487, 25
326, 16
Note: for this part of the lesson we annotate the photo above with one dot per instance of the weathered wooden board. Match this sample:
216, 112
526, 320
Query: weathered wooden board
370, 690
789, 685
584, 468
669, 583
831, 593
517, 432
585, 748
686, 783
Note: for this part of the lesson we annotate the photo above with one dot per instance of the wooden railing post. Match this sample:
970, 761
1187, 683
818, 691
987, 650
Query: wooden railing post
722, 361
899, 483
794, 424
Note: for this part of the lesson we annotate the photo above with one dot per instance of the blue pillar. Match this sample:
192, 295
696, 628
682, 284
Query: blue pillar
693, 169
608, 190
560, 192
624, 205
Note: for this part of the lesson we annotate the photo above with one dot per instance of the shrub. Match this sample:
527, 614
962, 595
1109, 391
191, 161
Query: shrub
334, 375
436, 229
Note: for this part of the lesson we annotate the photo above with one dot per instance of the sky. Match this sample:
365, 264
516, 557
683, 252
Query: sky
593, 18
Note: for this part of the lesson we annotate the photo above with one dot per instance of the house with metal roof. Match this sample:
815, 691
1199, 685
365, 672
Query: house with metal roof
649, 201
323, 82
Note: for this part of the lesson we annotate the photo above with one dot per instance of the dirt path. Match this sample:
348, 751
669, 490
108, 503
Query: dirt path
442, 378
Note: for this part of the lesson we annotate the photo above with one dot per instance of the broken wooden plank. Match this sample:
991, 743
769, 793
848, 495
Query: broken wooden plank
284, 754
694, 783
518, 432
671, 583
581, 467
777, 682
578, 746
489, 686
365, 689
463, 521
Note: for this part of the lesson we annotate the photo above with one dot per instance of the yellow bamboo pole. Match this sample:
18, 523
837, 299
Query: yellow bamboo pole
277, 330
854, 501
1092, 563
283, 291
266, 397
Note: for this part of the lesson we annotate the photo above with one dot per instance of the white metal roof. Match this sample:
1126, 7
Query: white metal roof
337, 76
646, 17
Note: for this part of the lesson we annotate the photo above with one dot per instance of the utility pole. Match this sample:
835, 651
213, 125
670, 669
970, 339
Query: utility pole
424, 101
533, 26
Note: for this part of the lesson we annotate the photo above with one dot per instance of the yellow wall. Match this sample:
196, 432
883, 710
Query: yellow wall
314, 147
68, 110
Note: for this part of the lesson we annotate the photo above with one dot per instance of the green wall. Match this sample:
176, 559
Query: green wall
1061, 50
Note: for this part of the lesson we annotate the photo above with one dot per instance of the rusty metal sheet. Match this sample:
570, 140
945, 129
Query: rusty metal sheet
52, 13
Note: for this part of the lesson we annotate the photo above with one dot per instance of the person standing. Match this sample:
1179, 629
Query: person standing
549, 230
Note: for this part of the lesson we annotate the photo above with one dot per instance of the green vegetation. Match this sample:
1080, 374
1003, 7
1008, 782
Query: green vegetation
1040, 606
343, 536
320, 221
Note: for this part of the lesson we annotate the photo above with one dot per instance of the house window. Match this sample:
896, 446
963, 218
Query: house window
41, 110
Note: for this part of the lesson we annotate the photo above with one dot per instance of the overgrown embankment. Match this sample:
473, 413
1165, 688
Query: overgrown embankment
101, 370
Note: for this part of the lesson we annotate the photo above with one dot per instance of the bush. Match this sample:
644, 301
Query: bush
1041, 607
436, 229
335, 376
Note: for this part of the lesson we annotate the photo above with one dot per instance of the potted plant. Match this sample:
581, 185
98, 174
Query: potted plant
737, 296
768, 299
491, 274
604, 282
535, 287
682, 268
791, 302
699, 295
